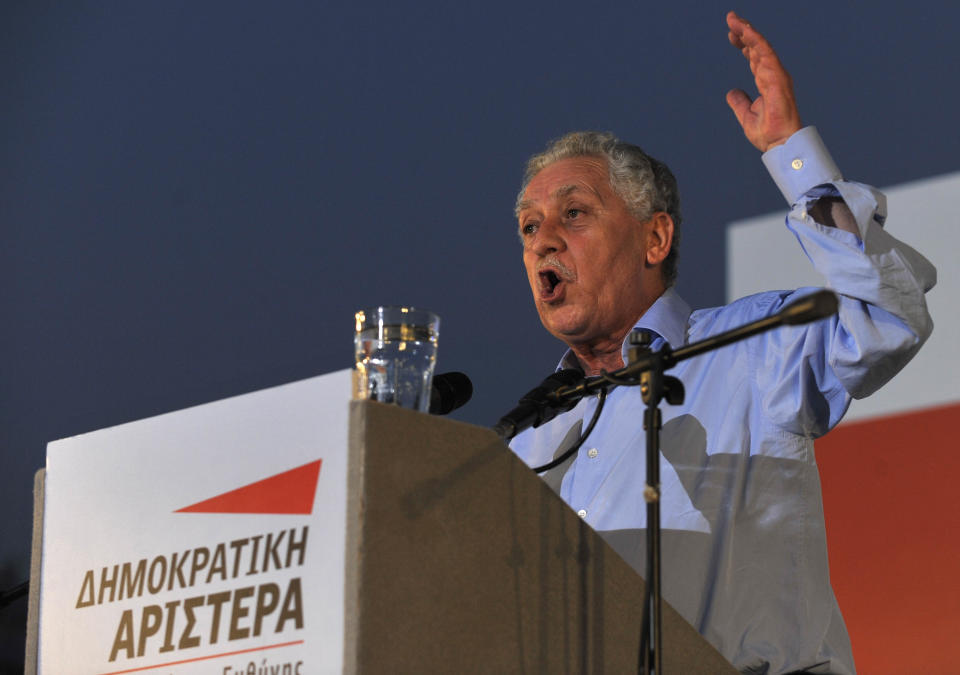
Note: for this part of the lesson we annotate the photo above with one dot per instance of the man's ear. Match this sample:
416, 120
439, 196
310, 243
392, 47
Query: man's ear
659, 237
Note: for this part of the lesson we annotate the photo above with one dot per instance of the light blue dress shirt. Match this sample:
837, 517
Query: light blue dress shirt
744, 545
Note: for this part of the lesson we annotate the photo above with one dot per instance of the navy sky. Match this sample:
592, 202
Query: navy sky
196, 196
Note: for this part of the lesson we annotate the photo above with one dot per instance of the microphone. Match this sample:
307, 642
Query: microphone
536, 407
449, 392
809, 308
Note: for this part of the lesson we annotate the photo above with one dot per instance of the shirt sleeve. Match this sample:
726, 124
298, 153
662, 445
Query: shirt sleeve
882, 320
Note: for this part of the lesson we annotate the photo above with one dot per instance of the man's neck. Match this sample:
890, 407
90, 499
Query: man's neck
594, 360
606, 353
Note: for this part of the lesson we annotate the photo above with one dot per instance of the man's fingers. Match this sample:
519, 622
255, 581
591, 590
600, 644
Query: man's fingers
773, 116
733, 20
739, 103
741, 27
735, 40
764, 63
745, 37
737, 27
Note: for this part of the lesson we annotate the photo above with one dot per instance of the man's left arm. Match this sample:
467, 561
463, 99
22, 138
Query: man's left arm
883, 318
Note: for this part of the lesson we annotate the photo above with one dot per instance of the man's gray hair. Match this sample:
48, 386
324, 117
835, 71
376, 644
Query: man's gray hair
645, 184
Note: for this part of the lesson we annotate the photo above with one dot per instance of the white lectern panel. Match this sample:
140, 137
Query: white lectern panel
208, 540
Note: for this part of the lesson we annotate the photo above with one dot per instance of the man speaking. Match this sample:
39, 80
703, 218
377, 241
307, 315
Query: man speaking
744, 546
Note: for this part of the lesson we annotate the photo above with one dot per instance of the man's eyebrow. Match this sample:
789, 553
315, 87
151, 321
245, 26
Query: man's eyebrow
567, 190
523, 205
559, 193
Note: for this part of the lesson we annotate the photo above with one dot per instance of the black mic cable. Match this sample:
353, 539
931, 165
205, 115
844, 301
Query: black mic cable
557, 461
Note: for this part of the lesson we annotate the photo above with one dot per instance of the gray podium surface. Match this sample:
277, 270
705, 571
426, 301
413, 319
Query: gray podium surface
31, 655
460, 559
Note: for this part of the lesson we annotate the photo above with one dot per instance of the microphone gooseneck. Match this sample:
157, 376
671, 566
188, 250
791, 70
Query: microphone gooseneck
811, 307
536, 406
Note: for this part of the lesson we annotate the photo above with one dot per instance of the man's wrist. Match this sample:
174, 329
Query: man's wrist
780, 141
800, 163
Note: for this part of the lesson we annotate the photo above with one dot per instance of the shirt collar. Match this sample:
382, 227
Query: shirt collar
667, 317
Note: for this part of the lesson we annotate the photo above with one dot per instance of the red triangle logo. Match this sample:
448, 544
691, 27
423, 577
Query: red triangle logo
290, 492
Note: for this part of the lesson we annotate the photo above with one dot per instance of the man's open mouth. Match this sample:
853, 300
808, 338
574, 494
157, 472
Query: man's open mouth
551, 285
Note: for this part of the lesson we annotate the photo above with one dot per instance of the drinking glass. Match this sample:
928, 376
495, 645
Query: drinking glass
395, 350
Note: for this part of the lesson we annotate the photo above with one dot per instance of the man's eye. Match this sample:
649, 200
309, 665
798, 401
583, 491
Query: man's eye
574, 213
529, 228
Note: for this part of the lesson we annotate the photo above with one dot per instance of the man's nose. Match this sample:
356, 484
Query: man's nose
549, 237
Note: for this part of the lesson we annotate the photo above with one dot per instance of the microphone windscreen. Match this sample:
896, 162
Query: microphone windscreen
449, 392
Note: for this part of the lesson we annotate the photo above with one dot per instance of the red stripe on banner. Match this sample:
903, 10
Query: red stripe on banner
893, 531
290, 492
204, 658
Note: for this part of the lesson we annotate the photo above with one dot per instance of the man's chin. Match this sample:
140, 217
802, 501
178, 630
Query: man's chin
564, 323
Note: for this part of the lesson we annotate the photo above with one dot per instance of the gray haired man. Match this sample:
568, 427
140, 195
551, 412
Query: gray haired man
744, 545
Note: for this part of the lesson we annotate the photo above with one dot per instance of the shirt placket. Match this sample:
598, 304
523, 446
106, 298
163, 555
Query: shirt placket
596, 458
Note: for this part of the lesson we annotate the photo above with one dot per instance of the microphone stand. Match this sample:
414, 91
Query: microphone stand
654, 387
646, 368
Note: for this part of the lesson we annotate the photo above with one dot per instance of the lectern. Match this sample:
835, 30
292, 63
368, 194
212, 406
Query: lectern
460, 559
292, 527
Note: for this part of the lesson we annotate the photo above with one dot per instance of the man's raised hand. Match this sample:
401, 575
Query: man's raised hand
772, 117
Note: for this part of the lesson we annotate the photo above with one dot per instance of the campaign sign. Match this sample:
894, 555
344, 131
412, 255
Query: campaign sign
208, 540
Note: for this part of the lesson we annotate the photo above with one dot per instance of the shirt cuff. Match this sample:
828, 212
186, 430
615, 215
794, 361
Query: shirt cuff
802, 163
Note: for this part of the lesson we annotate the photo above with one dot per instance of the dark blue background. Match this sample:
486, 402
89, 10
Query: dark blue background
196, 197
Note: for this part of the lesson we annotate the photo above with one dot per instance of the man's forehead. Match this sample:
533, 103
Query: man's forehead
565, 177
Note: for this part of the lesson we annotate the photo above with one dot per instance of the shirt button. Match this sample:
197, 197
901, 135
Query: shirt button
592, 452
797, 164
582, 513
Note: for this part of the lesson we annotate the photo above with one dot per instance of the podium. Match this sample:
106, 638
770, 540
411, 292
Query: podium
453, 556
460, 560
